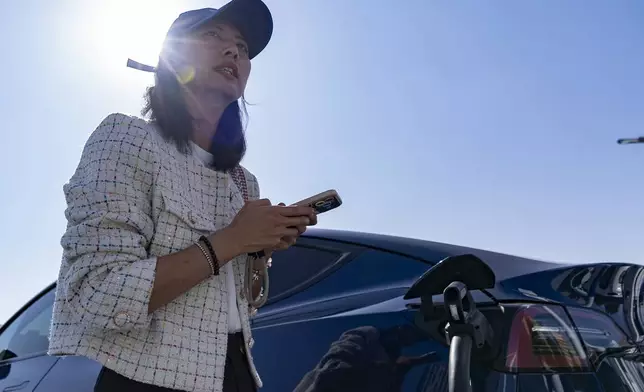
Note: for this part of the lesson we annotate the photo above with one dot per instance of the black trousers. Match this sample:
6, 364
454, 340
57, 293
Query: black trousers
237, 376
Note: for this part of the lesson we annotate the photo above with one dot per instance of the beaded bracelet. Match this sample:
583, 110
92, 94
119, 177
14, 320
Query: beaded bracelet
214, 261
206, 255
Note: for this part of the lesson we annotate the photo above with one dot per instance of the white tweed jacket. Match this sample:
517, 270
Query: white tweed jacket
134, 197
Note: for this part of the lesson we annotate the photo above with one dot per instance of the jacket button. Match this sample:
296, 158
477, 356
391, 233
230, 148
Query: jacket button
251, 343
121, 318
191, 217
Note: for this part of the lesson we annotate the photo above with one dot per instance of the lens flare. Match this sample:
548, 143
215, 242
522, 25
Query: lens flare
186, 74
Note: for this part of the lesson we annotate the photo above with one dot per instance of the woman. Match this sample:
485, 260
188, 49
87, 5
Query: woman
152, 282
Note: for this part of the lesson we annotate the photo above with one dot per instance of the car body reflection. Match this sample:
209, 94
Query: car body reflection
369, 352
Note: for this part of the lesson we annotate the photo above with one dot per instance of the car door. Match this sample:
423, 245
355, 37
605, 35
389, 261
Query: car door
24, 340
316, 340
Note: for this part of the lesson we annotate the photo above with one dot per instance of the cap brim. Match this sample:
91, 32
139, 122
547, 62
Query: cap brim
252, 18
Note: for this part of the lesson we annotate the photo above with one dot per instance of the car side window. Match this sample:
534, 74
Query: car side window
28, 334
297, 265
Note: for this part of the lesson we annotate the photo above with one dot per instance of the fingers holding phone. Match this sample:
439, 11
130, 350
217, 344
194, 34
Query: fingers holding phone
306, 217
313, 218
320, 203
260, 225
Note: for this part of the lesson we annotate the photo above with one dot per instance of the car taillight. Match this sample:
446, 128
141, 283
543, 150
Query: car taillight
542, 338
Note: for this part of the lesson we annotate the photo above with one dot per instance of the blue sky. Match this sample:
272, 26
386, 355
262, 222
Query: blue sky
489, 124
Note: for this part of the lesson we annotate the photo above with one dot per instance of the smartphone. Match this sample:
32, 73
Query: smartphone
322, 202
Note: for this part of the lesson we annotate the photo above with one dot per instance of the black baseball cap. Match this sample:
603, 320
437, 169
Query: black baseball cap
252, 18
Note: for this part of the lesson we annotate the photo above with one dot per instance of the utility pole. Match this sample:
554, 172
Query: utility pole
633, 140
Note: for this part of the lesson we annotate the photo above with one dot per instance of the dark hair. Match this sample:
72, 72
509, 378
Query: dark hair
166, 107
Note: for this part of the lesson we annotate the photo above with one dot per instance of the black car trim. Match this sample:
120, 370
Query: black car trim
24, 357
343, 256
369, 246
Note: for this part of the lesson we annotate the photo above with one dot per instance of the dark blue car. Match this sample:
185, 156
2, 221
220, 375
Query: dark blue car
337, 320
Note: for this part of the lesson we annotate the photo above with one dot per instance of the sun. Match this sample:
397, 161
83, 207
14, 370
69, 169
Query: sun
122, 29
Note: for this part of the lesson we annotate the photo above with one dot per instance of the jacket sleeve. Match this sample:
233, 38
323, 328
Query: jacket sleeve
106, 273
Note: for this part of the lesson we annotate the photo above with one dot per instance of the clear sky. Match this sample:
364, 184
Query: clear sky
490, 124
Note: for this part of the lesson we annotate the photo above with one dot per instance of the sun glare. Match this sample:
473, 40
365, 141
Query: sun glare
131, 28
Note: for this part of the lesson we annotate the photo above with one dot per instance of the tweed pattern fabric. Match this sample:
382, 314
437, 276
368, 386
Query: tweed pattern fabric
132, 198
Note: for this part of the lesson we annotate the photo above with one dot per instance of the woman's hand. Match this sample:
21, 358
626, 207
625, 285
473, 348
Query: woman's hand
290, 241
260, 225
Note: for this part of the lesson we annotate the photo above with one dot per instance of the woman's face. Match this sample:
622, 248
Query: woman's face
218, 56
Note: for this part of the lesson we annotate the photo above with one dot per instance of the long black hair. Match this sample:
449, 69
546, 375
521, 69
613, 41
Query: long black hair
166, 107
